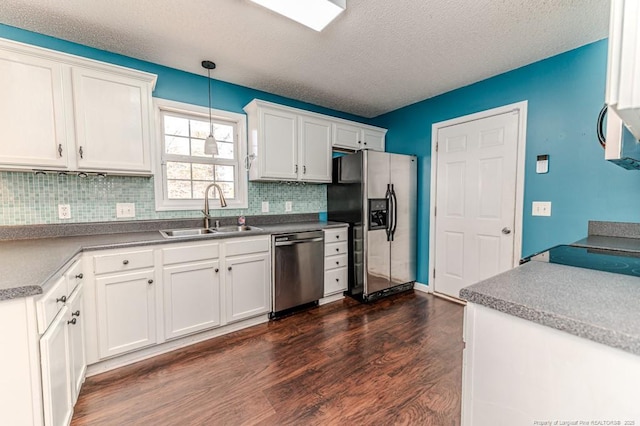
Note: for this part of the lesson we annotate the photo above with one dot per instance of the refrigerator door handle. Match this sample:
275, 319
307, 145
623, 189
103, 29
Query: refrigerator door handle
389, 212
394, 201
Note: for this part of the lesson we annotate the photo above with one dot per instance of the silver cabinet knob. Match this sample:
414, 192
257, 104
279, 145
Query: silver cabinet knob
216, 269
72, 321
125, 262
76, 313
62, 299
150, 281
229, 268
506, 231
80, 276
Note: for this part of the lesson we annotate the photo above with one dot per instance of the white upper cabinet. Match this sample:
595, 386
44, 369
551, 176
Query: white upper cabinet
278, 141
373, 138
63, 112
354, 136
314, 149
346, 136
288, 144
112, 121
32, 112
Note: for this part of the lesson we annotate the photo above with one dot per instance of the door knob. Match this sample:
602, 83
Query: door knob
506, 231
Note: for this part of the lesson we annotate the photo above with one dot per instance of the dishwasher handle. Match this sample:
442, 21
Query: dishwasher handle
292, 242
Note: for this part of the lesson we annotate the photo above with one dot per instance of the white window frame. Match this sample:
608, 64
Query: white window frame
163, 203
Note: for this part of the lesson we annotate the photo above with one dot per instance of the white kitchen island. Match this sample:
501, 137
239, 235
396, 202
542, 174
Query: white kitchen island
549, 344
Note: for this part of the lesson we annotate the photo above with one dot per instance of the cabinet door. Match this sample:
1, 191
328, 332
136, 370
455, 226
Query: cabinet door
126, 312
335, 281
75, 324
32, 112
346, 136
315, 149
191, 298
279, 144
373, 139
112, 122
247, 286
54, 359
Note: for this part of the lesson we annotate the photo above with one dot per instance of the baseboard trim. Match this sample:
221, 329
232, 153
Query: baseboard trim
424, 288
331, 298
450, 298
131, 357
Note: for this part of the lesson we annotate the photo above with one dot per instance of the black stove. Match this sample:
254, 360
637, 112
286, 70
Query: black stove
618, 262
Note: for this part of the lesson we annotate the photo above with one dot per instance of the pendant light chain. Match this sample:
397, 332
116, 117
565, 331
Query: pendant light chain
210, 121
210, 144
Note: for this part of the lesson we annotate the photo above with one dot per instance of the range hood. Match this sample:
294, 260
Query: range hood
623, 85
622, 148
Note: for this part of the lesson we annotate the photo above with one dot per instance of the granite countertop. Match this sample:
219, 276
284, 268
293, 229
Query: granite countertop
599, 306
27, 266
612, 243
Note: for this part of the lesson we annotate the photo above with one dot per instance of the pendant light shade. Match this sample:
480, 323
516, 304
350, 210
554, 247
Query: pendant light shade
210, 144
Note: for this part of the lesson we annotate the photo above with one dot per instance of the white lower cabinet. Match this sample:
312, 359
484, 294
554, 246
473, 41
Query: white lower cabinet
54, 358
62, 360
247, 286
336, 261
148, 299
191, 297
78, 360
519, 372
126, 312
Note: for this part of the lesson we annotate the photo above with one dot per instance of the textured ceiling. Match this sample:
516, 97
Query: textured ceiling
377, 56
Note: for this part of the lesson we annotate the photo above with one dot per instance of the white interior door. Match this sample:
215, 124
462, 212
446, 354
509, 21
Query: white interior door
475, 200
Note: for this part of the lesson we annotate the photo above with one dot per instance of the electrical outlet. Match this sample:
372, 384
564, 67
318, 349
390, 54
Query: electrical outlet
125, 210
265, 207
541, 208
288, 206
64, 211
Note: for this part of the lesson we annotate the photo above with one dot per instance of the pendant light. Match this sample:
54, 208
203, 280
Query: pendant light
210, 144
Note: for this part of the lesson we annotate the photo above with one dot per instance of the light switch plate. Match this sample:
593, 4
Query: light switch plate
541, 208
125, 210
288, 206
265, 207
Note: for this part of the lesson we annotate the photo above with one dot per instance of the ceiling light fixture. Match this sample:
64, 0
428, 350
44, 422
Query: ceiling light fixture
210, 144
315, 14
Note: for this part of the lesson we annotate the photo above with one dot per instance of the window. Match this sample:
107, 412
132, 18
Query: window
185, 171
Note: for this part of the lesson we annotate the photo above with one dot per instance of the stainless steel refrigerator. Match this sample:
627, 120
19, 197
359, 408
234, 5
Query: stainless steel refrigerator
375, 192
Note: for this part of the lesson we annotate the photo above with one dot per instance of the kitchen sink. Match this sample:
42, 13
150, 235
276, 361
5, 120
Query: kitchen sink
223, 229
186, 232
196, 232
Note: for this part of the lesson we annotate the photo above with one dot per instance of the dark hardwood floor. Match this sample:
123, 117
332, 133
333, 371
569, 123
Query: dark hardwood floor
395, 361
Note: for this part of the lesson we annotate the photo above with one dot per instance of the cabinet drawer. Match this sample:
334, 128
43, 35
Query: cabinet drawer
121, 262
335, 235
74, 276
335, 281
190, 253
247, 245
50, 303
332, 262
335, 248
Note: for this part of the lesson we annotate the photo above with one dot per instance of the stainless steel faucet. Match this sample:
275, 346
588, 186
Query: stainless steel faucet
223, 202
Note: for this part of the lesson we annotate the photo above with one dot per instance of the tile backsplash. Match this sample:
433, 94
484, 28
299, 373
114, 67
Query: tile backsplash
29, 199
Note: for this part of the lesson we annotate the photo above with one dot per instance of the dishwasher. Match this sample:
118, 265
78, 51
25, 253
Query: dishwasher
298, 270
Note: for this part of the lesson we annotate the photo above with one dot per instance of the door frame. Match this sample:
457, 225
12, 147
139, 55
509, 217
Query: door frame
521, 107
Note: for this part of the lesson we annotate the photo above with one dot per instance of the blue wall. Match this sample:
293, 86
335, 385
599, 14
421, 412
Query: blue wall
565, 94
172, 84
